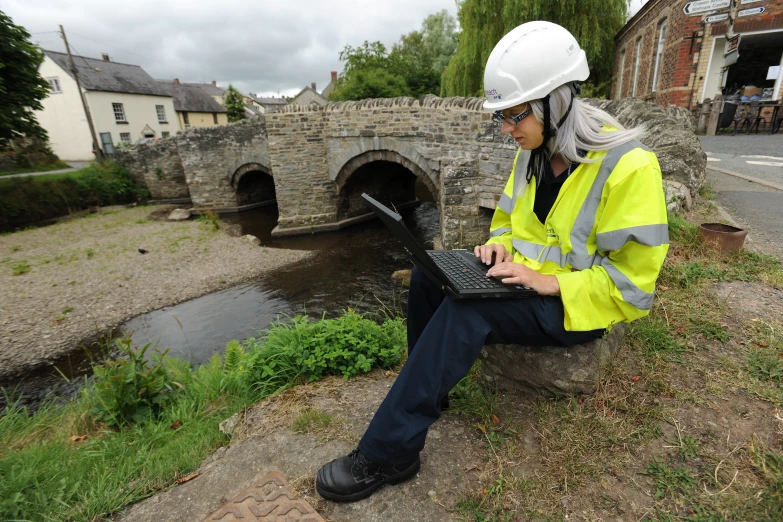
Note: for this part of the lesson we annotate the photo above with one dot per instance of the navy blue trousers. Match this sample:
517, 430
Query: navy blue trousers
445, 337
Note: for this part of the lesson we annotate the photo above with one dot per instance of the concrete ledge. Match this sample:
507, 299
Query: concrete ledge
180, 201
331, 227
235, 210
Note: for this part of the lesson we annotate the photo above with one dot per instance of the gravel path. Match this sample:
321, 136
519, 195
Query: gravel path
87, 275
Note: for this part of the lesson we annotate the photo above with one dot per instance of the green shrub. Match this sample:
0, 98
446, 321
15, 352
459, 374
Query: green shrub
130, 388
347, 345
36, 198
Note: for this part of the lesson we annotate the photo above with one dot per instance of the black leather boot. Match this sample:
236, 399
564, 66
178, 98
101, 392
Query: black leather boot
355, 477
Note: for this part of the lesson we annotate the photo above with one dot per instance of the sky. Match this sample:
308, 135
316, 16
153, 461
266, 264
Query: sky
267, 47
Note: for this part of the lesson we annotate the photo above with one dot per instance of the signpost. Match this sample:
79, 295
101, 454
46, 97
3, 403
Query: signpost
751, 12
699, 7
716, 18
732, 49
745, 2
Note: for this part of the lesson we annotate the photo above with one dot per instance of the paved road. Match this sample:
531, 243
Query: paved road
757, 208
75, 165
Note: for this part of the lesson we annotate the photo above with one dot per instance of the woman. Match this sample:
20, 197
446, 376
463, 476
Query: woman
582, 220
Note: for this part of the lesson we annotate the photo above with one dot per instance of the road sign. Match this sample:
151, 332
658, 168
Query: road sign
751, 12
732, 43
745, 2
716, 18
700, 7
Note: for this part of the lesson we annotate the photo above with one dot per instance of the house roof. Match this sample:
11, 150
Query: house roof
268, 101
308, 88
189, 98
328, 90
102, 75
212, 90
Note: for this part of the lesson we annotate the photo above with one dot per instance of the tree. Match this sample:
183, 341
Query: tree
412, 68
235, 104
21, 87
594, 23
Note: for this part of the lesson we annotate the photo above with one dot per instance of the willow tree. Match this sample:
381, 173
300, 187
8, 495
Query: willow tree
594, 23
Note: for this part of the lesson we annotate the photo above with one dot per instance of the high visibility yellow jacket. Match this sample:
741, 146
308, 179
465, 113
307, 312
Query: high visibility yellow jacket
605, 238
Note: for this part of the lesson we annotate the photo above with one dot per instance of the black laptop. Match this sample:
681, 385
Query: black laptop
459, 272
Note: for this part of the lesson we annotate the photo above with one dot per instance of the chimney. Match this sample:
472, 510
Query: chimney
334, 76
214, 83
176, 81
105, 57
312, 85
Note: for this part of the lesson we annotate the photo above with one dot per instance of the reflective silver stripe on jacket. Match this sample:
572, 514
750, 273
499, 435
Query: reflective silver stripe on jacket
631, 293
506, 204
585, 220
648, 235
499, 232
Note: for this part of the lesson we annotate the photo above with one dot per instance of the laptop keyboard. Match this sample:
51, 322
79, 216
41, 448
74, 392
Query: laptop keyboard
462, 274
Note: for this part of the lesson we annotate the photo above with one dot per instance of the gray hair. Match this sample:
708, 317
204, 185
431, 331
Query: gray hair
583, 128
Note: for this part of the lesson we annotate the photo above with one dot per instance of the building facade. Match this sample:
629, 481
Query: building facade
126, 105
673, 52
194, 107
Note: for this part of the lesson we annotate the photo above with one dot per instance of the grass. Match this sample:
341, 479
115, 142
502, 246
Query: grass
584, 458
36, 168
64, 463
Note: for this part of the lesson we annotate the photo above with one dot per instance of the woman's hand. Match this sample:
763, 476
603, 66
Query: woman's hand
518, 274
485, 253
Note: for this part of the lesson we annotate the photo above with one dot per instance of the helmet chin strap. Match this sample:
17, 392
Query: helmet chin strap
539, 157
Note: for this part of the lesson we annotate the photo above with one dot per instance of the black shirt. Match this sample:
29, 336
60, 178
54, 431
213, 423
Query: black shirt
547, 191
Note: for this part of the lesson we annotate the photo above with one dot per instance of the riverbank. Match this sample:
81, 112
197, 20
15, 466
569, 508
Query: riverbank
63, 283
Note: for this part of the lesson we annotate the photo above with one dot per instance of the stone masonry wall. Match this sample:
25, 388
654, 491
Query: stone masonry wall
211, 156
157, 167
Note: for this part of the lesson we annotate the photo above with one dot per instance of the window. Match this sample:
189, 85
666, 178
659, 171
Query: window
119, 113
54, 83
659, 56
125, 137
620, 76
165, 134
185, 118
214, 117
637, 59
161, 110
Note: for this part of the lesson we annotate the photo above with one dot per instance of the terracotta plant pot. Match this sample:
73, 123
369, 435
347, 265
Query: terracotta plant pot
724, 238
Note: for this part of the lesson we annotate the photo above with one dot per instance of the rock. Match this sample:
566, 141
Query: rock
253, 240
403, 276
551, 370
678, 197
228, 425
669, 135
179, 214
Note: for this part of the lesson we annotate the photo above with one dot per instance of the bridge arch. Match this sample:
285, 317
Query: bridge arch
384, 174
254, 185
375, 148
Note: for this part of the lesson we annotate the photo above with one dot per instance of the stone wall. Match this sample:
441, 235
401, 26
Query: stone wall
156, 166
679, 151
212, 156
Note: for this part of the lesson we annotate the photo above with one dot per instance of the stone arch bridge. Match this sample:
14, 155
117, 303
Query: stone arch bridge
316, 161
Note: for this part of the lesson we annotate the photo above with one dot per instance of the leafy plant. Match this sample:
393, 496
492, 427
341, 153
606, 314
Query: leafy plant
22, 267
669, 480
210, 219
347, 345
131, 388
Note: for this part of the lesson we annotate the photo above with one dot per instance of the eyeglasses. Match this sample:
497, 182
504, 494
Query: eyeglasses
499, 117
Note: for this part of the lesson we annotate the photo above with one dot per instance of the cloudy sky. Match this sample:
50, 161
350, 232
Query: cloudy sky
267, 47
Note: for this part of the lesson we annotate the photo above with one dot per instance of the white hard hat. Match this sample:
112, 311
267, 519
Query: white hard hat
530, 62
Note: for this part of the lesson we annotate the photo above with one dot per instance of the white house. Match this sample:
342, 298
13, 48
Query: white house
126, 104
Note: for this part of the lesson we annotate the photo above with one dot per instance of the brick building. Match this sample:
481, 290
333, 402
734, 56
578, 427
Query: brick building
665, 56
